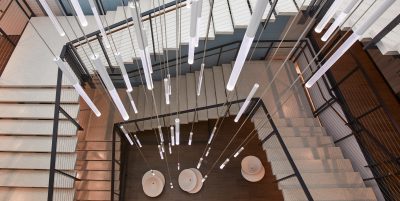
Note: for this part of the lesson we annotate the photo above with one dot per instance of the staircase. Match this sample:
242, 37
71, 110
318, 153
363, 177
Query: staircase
326, 173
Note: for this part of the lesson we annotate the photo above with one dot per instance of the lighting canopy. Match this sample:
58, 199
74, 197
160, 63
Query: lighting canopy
358, 32
101, 69
99, 23
67, 71
248, 38
79, 12
143, 45
52, 17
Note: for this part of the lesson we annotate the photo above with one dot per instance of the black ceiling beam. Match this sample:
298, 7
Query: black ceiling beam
383, 33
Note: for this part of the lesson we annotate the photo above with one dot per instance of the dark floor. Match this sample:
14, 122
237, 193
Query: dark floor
226, 184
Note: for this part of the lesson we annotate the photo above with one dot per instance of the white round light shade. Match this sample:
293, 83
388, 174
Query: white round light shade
153, 185
252, 169
199, 184
187, 180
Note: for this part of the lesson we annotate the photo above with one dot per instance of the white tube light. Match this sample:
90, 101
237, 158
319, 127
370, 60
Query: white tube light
126, 135
212, 135
99, 24
238, 152
199, 11
161, 134
53, 18
125, 76
170, 148
169, 84
349, 42
248, 38
161, 153
223, 164
246, 102
147, 74
200, 81
192, 44
137, 141
101, 69
328, 16
79, 12
190, 138
67, 71
204, 179
132, 102
339, 20
162, 147
208, 151
177, 132
192, 32
179, 166
172, 136
166, 89
199, 163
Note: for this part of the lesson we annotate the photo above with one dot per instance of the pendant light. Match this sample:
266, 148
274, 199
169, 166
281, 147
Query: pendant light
126, 134
358, 32
212, 135
172, 136
79, 12
125, 76
53, 19
161, 153
246, 102
67, 71
339, 20
200, 79
224, 164
190, 138
99, 24
161, 134
132, 102
137, 141
246, 43
238, 152
101, 69
199, 11
199, 163
193, 31
208, 151
166, 89
177, 132
328, 16
169, 148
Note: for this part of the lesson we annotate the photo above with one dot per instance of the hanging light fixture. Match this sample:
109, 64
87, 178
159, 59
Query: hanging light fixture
67, 71
246, 102
193, 30
358, 32
224, 164
161, 134
143, 45
125, 76
162, 147
238, 152
101, 69
126, 134
177, 132
328, 16
212, 135
53, 19
179, 166
79, 12
166, 89
208, 151
99, 24
200, 79
132, 102
339, 19
137, 141
172, 136
190, 138
169, 148
246, 43
161, 153
199, 11
199, 163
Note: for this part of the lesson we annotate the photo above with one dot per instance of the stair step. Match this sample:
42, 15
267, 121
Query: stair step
328, 194
264, 17
191, 94
94, 165
35, 111
95, 155
34, 179
312, 166
297, 142
157, 97
295, 122
240, 13
324, 180
36, 144
210, 93
96, 146
232, 96
37, 95
202, 99
98, 175
301, 131
183, 117
222, 18
38, 161
286, 8
34, 194
36, 127
219, 88
93, 185
93, 195
309, 153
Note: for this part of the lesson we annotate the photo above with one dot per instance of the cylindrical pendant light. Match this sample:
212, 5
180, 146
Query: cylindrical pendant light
328, 16
67, 71
132, 102
246, 102
161, 153
99, 24
200, 79
137, 141
126, 134
199, 11
172, 136
125, 76
339, 19
224, 164
162, 147
177, 132
190, 138
166, 89
212, 135
192, 32
53, 19
358, 32
161, 134
101, 69
199, 163
79, 12
238, 152
246, 43
179, 166
169, 84
208, 151
170, 148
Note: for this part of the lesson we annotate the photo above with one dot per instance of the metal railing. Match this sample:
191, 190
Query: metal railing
255, 102
348, 102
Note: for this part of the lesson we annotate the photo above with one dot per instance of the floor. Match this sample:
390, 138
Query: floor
226, 184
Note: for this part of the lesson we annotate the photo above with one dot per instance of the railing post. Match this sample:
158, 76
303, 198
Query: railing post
53, 154
152, 38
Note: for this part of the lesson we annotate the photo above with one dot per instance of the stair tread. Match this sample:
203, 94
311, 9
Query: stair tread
93, 195
34, 194
36, 143
338, 194
191, 94
240, 13
38, 95
201, 100
183, 117
291, 142
312, 166
308, 153
219, 88
34, 178
222, 18
265, 15
35, 111
9, 160
35, 127
210, 93
232, 96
